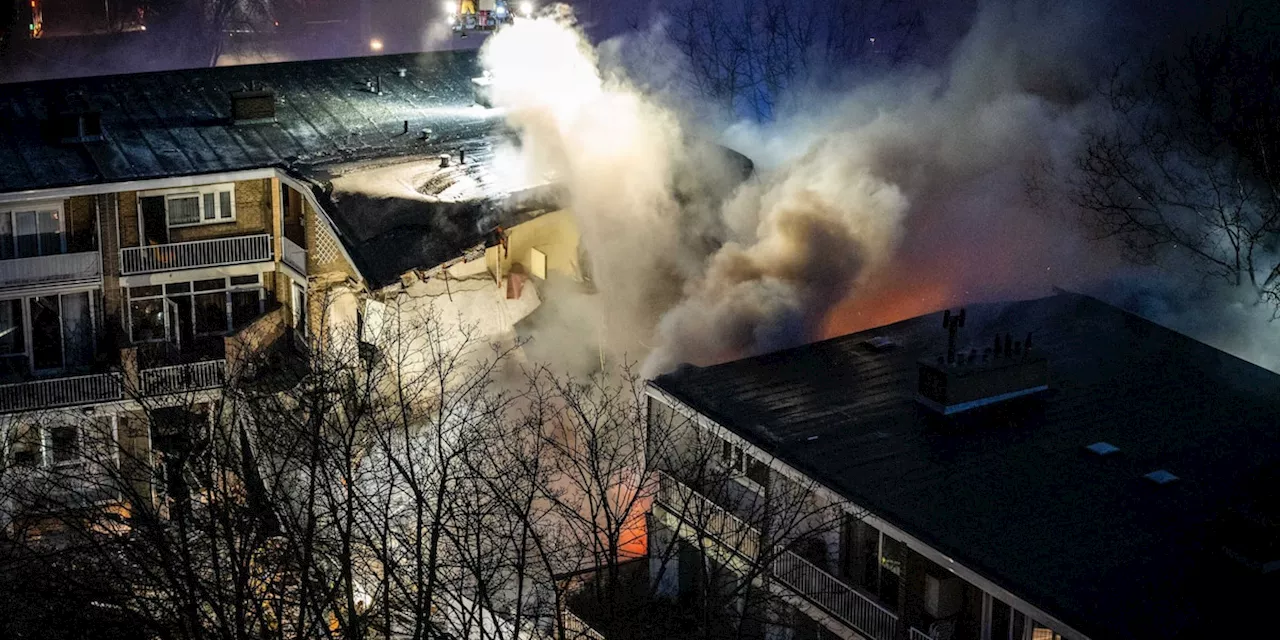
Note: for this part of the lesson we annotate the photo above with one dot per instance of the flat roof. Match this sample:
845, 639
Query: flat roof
328, 123
1011, 491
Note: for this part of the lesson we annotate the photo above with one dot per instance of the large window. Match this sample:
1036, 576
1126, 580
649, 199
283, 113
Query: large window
212, 204
27, 234
743, 464
215, 306
47, 333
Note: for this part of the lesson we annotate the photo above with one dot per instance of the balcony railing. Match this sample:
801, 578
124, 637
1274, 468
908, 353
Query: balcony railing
55, 269
294, 256
195, 254
917, 634
709, 516
799, 575
196, 376
60, 392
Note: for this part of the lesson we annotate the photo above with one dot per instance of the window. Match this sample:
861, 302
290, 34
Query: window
26, 448
47, 333
740, 463
203, 307
183, 209
13, 346
64, 444
210, 204
27, 234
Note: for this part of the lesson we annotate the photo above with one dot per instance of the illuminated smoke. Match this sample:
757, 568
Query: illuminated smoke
924, 189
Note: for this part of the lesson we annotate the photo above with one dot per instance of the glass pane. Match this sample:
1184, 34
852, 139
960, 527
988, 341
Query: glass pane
11, 341
46, 333
211, 313
211, 285
245, 307
6, 236
224, 201
65, 443
77, 329
28, 245
184, 210
50, 227
144, 292
147, 319
209, 212
26, 447
178, 287
240, 280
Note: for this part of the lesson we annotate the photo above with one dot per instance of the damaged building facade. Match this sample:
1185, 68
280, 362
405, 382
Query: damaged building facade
159, 232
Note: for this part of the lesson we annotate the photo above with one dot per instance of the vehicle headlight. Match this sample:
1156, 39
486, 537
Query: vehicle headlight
450, 7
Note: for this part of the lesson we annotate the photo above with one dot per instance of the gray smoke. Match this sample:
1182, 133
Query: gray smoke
929, 188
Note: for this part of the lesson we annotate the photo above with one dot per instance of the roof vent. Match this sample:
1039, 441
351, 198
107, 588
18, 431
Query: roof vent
1103, 448
78, 127
480, 88
72, 119
253, 106
1160, 476
961, 381
880, 344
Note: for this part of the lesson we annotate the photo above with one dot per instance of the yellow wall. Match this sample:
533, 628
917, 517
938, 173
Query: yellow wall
554, 234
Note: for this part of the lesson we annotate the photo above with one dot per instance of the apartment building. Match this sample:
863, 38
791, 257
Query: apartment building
1033, 470
157, 229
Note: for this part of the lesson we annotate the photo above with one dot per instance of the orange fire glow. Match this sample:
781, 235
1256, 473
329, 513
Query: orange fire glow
885, 304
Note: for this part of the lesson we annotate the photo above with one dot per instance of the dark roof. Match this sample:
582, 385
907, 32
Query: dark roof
1010, 491
175, 123
179, 123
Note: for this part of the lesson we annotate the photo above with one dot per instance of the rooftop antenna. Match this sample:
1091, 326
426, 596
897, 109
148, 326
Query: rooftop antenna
952, 324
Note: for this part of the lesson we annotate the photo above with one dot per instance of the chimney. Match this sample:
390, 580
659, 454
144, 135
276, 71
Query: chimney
254, 106
950, 385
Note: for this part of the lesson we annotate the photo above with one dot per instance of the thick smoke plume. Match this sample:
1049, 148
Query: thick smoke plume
928, 188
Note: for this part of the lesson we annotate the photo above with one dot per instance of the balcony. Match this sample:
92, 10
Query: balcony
65, 268
798, 575
195, 254
182, 378
60, 392
294, 256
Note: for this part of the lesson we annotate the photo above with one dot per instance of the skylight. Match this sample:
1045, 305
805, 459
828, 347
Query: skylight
1160, 476
1103, 448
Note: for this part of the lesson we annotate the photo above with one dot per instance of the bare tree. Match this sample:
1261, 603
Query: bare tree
203, 28
1187, 165
746, 56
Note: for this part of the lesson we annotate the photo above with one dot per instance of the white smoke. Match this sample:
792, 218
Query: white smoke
902, 196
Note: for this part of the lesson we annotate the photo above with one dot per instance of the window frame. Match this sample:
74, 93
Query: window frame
226, 290
56, 206
28, 329
200, 194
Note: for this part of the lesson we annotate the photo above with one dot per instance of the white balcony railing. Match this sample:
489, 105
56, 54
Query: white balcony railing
799, 575
180, 378
917, 634
60, 392
62, 268
294, 256
195, 254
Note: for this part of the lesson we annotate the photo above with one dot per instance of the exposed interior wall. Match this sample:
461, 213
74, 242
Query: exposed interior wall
554, 234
